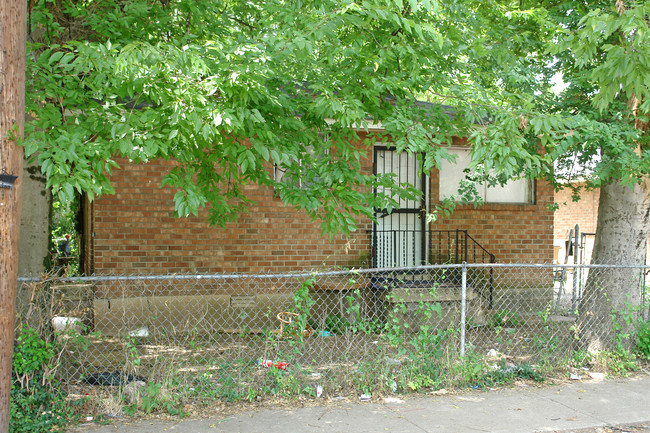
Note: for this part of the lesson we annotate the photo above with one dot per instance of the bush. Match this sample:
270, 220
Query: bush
643, 340
37, 402
336, 324
506, 319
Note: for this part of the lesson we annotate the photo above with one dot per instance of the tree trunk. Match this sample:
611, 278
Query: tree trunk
611, 296
13, 19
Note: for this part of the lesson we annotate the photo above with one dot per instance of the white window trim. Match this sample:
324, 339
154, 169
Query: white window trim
279, 172
445, 190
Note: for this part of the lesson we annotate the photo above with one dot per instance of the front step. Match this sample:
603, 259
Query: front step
408, 304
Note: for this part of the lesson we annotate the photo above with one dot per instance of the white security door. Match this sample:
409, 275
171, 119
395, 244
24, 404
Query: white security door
399, 237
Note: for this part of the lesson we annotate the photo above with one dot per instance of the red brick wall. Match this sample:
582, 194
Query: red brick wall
135, 231
512, 232
583, 212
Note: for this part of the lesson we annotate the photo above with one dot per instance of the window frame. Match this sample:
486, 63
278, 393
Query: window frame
483, 188
279, 173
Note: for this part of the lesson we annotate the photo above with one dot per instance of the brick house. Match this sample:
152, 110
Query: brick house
583, 212
134, 230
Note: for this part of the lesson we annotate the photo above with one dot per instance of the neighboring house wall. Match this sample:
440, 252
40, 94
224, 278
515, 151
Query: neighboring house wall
583, 212
135, 232
34, 223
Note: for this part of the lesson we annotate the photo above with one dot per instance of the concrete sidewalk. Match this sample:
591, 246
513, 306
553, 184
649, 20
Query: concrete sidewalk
525, 409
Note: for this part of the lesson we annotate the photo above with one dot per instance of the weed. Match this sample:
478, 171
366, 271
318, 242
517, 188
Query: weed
336, 324
359, 323
154, 399
133, 355
470, 367
618, 362
581, 358
37, 402
643, 340
504, 374
370, 376
506, 319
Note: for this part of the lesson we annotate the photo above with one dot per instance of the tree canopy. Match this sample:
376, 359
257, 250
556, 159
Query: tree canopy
229, 88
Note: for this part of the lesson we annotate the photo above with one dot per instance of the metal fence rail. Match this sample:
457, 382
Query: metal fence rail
162, 326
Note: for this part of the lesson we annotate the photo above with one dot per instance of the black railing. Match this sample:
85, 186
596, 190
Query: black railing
455, 247
403, 248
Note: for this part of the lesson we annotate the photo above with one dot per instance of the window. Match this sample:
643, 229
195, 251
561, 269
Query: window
287, 174
451, 175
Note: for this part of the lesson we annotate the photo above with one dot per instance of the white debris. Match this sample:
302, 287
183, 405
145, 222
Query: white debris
62, 324
596, 376
140, 332
393, 400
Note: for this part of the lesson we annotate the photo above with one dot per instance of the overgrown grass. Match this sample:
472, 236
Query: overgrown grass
403, 356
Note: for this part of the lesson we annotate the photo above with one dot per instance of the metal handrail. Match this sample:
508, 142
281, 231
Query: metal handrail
442, 247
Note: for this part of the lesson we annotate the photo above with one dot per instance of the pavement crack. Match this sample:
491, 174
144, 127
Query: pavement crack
398, 414
590, 415
323, 414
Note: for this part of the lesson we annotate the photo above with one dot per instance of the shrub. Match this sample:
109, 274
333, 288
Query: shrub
336, 324
37, 402
506, 319
643, 340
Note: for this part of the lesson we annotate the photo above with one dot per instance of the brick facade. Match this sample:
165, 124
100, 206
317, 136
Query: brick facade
583, 212
135, 232
512, 232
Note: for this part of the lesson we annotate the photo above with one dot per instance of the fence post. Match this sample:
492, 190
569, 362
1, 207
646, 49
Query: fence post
463, 307
576, 270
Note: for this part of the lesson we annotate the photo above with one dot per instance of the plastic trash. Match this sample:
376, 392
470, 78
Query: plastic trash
392, 361
140, 332
279, 365
112, 379
61, 323
319, 391
365, 397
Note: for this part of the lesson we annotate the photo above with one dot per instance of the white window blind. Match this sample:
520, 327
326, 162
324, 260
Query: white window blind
451, 175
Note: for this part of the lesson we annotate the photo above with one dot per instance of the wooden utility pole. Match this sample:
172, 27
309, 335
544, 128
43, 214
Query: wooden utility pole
13, 19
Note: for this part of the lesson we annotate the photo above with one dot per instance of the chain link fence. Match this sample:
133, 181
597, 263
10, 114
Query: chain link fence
392, 327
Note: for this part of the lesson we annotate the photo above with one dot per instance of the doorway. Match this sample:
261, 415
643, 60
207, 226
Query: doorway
399, 236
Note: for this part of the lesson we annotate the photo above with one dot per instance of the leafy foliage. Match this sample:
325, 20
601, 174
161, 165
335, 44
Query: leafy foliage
227, 101
643, 340
259, 85
37, 403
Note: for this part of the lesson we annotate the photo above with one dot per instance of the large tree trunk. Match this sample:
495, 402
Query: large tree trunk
13, 18
611, 295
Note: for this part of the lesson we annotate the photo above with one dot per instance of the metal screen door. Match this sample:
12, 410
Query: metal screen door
399, 237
